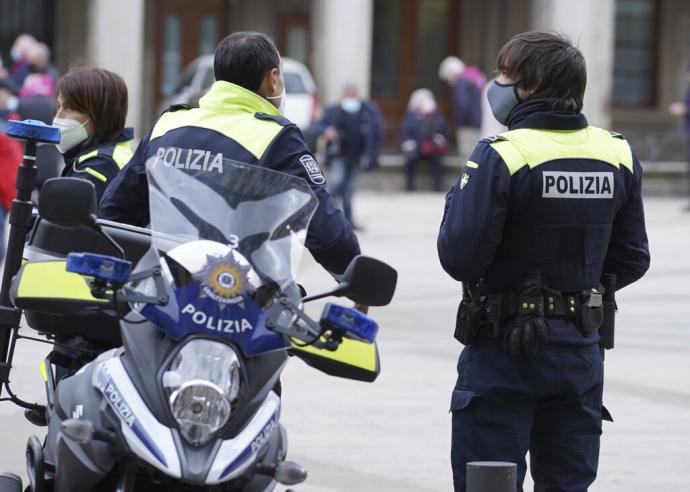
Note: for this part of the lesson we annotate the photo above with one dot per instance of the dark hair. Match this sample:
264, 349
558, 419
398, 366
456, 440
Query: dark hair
244, 58
101, 95
548, 64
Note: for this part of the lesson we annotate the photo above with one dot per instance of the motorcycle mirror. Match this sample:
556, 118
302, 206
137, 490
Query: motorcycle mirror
78, 430
366, 281
369, 281
68, 202
289, 473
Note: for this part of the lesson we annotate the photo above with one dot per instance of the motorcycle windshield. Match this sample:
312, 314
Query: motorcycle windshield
228, 237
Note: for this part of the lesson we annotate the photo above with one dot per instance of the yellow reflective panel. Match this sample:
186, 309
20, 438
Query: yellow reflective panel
43, 370
123, 153
87, 156
50, 280
227, 109
353, 359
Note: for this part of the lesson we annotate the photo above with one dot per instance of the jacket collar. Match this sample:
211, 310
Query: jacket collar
124, 136
537, 114
226, 96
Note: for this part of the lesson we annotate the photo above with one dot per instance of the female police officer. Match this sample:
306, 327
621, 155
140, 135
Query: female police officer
92, 108
539, 214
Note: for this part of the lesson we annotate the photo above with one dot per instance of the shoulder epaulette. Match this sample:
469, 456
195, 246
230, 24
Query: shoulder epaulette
617, 135
281, 120
177, 107
493, 138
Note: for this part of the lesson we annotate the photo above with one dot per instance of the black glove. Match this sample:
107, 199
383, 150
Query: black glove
528, 328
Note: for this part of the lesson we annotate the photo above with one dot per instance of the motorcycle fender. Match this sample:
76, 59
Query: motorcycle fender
352, 360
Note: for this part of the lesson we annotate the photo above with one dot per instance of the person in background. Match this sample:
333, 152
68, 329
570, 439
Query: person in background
91, 113
423, 136
490, 125
37, 102
20, 58
11, 152
466, 85
682, 109
352, 129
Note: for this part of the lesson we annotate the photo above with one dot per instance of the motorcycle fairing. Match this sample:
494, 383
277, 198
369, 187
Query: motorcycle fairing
235, 455
146, 437
243, 323
154, 443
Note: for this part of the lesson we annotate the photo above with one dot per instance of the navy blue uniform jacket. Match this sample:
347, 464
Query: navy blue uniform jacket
242, 126
552, 195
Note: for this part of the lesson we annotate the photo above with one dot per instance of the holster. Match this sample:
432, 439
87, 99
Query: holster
468, 318
608, 325
590, 311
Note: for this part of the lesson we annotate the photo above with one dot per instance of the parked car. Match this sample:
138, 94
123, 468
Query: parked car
301, 104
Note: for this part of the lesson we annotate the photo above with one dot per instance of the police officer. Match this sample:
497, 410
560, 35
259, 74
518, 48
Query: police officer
91, 114
540, 215
240, 119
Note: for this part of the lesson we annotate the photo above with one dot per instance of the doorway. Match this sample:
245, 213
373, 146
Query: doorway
185, 30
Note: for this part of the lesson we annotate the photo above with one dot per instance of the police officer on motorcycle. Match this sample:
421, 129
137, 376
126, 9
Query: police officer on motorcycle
542, 216
238, 119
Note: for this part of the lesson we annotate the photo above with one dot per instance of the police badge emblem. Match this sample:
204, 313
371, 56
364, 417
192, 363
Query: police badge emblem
224, 279
464, 180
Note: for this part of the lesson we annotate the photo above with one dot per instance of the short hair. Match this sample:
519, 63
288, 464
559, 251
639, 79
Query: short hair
101, 95
244, 58
548, 64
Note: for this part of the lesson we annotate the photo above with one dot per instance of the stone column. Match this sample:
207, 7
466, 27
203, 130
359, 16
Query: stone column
590, 24
116, 43
341, 46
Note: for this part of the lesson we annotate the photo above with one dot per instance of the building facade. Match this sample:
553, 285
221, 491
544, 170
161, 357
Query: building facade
636, 50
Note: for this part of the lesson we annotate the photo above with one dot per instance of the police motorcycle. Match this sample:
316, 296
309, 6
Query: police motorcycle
185, 394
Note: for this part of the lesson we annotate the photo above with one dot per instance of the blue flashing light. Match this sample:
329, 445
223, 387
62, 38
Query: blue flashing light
101, 267
350, 321
32, 130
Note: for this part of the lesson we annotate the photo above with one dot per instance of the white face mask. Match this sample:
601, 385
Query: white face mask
351, 104
72, 133
281, 96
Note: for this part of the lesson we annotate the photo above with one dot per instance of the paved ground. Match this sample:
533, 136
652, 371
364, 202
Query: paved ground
393, 435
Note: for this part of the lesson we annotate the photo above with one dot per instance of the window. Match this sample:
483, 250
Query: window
634, 76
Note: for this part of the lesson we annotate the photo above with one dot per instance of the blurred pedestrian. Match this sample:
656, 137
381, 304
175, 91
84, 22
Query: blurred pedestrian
41, 76
490, 125
36, 101
11, 152
352, 129
423, 137
20, 58
91, 114
466, 85
682, 109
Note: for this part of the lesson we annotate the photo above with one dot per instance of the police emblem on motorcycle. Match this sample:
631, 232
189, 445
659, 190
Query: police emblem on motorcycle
224, 279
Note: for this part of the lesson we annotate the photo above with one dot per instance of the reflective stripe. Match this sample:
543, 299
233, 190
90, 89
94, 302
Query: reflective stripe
472, 164
84, 157
351, 352
44, 372
229, 110
50, 280
96, 174
123, 153
535, 147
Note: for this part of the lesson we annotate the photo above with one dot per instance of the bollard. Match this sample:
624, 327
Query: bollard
32, 133
491, 476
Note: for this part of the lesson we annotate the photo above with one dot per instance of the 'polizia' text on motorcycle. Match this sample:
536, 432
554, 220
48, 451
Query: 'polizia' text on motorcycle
165, 376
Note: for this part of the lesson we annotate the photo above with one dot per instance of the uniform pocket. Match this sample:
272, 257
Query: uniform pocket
461, 399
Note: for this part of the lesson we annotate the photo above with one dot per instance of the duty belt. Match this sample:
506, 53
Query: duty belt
556, 305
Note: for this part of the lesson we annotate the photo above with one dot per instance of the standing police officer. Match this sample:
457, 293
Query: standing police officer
239, 119
541, 216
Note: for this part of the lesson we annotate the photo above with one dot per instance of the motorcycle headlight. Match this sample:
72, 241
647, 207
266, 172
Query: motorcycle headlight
201, 383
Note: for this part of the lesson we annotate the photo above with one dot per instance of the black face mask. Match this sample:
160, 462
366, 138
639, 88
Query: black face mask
502, 98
